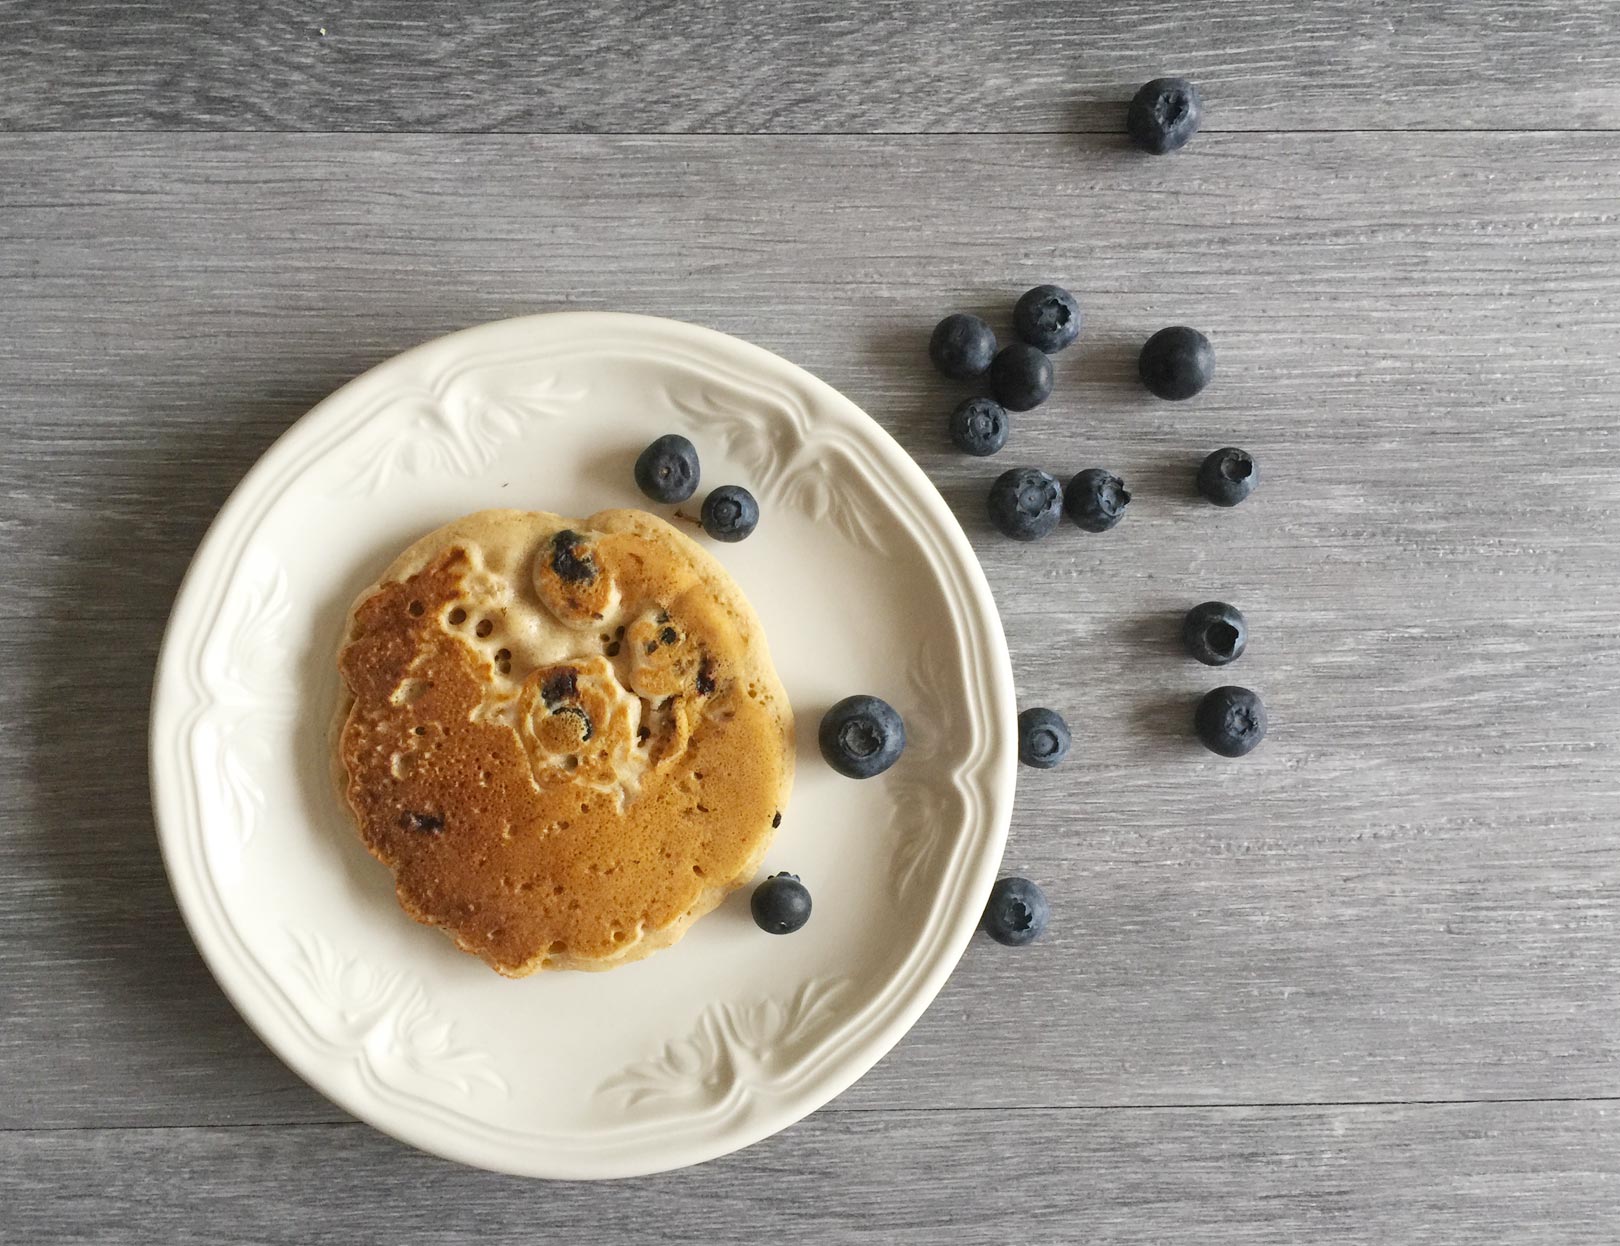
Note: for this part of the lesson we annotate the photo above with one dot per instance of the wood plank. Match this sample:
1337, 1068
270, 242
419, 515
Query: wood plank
732, 66
1520, 1174
1405, 894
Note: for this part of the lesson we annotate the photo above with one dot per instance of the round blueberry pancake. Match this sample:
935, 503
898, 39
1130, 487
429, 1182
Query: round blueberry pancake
565, 738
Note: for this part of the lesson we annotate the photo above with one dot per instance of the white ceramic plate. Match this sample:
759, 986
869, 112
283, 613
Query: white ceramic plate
865, 584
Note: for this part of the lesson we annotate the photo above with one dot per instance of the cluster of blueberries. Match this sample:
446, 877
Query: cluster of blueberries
862, 736
1027, 503
668, 471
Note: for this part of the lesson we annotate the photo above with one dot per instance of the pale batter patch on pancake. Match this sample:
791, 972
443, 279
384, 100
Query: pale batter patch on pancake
565, 738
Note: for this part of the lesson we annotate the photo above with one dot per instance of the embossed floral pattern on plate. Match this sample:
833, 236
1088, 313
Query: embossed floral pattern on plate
733, 1047
382, 1020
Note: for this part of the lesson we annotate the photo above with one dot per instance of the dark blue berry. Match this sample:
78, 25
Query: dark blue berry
667, 470
780, 904
1048, 318
1164, 114
1026, 503
862, 736
962, 346
1043, 738
1231, 721
1228, 476
1020, 377
1096, 499
1215, 633
1176, 362
730, 513
979, 426
571, 558
1017, 912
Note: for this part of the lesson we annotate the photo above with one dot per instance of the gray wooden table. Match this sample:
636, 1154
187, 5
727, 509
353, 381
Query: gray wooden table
1358, 988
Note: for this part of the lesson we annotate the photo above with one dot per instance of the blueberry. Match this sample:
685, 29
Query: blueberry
1228, 476
1026, 503
781, 904
667, 470
979, 426
1164, 114
862, 736
962, 346
1020, 377
1096, 499
730, 513
1231, 721
1043, 738
1017, 912
1048, 318
1177, 362
571, 558
1215, 633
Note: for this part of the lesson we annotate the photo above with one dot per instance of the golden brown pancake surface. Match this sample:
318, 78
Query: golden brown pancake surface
565, 738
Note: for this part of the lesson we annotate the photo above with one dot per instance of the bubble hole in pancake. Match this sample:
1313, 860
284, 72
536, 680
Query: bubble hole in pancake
565, 738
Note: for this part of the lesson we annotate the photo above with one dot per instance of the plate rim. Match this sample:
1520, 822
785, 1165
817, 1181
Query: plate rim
739, 1130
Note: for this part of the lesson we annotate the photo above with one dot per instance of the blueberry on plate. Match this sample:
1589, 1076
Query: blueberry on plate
862, 736
1020, 377
1228, 476
1164, 114
730, 513
1231, 721
1026, 503
1176, 363
1096, 499
1048, 318
962, 346
1215, 633
667, 470
979, 426
1017, 912
1043, 738
780, 904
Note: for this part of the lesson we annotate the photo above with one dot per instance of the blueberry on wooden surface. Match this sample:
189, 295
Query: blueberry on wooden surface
1228, 476
1215, 633
1231, 721
1176, 363
1164, 114
1048, 318
1020, 377
979, 426
1016, 913
1025, 503
1043, 738
962, 346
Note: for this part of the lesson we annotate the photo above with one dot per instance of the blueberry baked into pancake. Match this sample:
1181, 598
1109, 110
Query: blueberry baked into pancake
564, 737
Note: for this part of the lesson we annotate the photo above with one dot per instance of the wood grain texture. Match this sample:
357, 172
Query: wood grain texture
1407, 894
1522, 1174
734, 66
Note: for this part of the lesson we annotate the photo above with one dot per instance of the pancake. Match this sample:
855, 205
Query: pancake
565, 738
